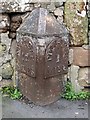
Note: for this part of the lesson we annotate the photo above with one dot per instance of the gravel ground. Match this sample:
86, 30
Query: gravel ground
60, 109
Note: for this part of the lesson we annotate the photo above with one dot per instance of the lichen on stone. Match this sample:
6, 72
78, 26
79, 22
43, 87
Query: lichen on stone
7, 71
2, 48
77, 25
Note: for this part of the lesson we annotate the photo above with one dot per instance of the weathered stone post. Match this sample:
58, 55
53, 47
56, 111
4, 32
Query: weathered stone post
42, 57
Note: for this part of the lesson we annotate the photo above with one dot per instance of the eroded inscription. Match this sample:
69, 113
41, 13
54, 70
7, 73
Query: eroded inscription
26, 56
56, 58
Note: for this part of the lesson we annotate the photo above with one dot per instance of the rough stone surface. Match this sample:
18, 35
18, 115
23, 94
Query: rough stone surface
6, 57
83, 77
13, 62
59, 4
19, 5
2, 49
15, 74
37, 5
1, 61
16, 21
5, 82
69, 73
43, 5
16, 18
13, 6
86, 47
5, 40
65, 78
51, 7
13, 48
60, 19
77, 25
58, 12
81, 56
0, 71
4, 22
74, 77
70, 56
24, 16
0, 78
83, 83
12, 35
83, 73
49, 26
89, 36
88, 9
7, 71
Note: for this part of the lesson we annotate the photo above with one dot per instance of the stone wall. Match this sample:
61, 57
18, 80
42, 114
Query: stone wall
12, 15
79, 45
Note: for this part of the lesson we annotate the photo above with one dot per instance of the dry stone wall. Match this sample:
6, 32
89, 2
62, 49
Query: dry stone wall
14, 12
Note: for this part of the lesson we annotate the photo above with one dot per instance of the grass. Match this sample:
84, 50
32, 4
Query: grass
70, 94
11, 91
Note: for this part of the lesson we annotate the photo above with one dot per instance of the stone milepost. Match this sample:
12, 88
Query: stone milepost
42, 57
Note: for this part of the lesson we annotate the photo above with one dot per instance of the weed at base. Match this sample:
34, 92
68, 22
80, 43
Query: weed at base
70, 94
11, 91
